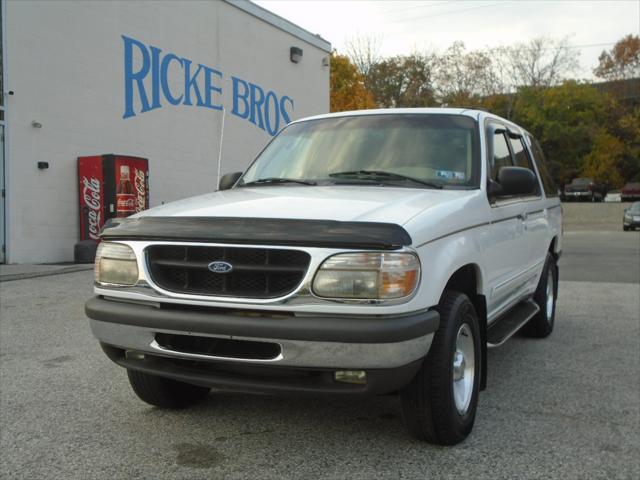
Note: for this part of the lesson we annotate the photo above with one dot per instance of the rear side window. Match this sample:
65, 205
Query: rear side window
501, 155
550, 188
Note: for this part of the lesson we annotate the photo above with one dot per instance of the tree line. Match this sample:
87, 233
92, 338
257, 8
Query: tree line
584, 129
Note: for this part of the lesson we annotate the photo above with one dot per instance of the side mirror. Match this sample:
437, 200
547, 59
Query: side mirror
516, 181
229, 180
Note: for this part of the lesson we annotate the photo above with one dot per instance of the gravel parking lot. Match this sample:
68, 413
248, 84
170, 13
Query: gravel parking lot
565, 407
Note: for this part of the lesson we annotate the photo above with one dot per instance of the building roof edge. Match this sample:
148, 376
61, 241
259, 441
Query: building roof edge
281, 23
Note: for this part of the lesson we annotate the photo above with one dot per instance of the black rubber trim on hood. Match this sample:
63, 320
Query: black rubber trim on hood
261, 231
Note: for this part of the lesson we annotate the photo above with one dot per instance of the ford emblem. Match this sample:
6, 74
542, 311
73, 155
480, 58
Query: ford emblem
220, 267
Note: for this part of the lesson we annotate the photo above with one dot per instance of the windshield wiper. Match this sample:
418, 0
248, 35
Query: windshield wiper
274, 180
382, 175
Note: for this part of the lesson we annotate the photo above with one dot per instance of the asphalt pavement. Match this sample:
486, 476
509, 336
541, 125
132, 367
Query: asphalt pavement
564, 407
601, 256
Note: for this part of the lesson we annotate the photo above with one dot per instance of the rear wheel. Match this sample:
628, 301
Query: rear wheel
439, 404
164, 392
541, 325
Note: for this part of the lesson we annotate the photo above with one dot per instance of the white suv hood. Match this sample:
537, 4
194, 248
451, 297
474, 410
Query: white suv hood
343, 203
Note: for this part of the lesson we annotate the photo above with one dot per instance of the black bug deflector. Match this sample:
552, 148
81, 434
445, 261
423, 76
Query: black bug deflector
262, 231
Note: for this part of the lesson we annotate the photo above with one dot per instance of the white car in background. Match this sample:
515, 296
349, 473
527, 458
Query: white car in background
361, 253
613, 197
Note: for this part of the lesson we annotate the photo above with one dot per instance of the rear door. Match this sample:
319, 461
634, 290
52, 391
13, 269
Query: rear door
551, 203
536, 226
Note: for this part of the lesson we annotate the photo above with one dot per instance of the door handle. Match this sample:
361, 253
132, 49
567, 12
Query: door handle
523, 216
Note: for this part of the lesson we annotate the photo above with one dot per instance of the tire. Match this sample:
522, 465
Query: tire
164, 392
430, 407
541, 325
85, 251
625, 228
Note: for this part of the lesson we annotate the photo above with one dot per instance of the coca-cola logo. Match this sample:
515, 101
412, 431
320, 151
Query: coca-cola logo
140, 184
126, 202
91, 196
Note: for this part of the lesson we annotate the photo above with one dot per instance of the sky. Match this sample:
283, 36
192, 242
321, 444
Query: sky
406, 26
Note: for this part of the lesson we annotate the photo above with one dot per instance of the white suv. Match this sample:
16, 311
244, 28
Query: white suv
363, 252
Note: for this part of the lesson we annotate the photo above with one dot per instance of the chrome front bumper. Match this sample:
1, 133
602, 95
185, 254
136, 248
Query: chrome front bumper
294, 353
350, 342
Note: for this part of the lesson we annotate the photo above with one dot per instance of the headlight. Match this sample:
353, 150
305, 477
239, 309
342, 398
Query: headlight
116, 264
367, 276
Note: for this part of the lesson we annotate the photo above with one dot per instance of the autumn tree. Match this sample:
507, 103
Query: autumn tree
463, 77
602, 163
347, 86
402, 81
622, 61
584, 131
364, 52
541, 62
624, 125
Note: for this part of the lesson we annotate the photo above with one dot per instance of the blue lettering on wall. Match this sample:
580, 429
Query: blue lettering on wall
190, 84
240, 94
271, 113
210, 88
164, 78
134, 79
286, 115
147, 70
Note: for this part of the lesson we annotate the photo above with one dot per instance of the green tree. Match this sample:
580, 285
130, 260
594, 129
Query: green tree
347, 86
566, 119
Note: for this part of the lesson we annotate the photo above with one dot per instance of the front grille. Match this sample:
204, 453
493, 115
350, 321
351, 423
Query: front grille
257, 272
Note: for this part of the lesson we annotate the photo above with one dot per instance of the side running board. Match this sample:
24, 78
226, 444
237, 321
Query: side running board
507, 325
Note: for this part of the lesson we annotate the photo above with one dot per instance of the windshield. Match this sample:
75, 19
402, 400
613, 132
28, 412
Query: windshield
406, 150
635, 207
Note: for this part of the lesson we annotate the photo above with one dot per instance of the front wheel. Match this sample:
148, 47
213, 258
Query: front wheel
439, 404
164, 392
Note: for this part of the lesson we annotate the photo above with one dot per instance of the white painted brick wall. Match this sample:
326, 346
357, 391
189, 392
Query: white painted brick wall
65, 63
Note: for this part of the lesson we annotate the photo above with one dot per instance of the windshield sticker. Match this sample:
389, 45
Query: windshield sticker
449, 175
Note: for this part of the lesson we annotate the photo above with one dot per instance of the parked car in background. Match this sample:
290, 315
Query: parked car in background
631, 217
613, 196
630, 192
584, 189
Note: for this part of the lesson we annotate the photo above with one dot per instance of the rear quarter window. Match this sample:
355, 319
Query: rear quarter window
549, 186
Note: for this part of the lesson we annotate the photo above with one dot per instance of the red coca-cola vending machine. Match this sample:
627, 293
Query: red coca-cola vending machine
110, 186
